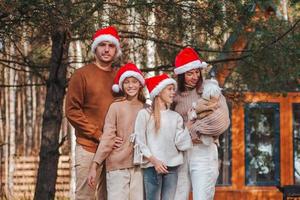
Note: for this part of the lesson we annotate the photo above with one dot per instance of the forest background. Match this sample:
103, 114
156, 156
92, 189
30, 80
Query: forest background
252, 45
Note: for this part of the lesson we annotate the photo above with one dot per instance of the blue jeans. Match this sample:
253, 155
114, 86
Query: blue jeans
160, 186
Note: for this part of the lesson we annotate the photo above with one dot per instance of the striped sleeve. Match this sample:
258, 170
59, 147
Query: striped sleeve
214, 124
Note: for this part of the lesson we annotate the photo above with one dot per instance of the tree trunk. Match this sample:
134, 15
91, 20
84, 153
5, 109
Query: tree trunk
12, 126
134, 44
6, 150
237, 42
35, 131
52, 118
28, 140
151, 47
75, 50
284, 9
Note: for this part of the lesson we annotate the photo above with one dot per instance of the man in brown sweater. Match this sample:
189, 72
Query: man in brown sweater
88, 98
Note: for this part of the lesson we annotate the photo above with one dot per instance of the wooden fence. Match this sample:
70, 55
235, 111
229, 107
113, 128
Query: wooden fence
25, 176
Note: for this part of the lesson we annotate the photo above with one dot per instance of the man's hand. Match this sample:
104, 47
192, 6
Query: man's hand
118, 142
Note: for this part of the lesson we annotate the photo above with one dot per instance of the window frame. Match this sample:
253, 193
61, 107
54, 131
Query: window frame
276, 156
294, 142
229, 136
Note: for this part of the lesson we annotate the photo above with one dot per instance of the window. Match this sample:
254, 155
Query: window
224, 151
296, 131
262, 143
225, 159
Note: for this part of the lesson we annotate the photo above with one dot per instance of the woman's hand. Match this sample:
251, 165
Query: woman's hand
191, 115
159, 166
191, 118
196, 140
92, 175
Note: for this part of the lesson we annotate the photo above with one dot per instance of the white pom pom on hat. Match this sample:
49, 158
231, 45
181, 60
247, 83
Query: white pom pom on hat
115, 88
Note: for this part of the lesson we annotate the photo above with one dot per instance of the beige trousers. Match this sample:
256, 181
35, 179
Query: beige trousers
83, 161
125, 184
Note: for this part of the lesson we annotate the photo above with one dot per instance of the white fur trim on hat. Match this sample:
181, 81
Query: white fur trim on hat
115, 88
189, 66
134, 74
109, 38
161, 86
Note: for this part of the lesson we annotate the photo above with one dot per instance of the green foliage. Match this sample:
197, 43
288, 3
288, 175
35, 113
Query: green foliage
273, 65
204, 25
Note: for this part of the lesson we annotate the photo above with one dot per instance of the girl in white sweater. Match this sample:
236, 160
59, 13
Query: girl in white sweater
161, 137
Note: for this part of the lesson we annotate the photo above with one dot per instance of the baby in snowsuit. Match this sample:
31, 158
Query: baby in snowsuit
208, 101
207, 104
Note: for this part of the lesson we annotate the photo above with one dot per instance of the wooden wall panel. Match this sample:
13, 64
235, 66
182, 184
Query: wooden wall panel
238, 190
238, 147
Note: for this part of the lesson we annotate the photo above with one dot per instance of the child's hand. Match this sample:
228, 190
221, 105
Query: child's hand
92, 176
188, 124
159, 166
118, 142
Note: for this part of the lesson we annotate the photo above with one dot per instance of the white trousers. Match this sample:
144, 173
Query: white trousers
200, 170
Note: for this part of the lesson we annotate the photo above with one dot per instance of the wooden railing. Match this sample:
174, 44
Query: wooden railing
25, 175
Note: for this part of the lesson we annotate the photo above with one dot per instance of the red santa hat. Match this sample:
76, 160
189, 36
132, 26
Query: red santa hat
156, 84
109, 34
188, 59
127, 70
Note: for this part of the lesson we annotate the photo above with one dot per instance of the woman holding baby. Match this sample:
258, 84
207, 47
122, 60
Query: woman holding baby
200, 169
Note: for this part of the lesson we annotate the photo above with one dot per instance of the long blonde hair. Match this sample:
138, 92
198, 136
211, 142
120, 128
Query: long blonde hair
156, 113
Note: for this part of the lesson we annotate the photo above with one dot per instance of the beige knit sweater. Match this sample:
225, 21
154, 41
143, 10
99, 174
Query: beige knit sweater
212, 125
119, 122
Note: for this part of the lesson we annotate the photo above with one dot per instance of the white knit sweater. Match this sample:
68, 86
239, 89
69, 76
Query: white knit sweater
167, 143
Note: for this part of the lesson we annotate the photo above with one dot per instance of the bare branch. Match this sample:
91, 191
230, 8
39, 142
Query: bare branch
280, 36
23, 85
88, 13
14, 68
135, 35
29, 63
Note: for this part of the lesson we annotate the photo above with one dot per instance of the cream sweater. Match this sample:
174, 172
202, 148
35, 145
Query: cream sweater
166, 144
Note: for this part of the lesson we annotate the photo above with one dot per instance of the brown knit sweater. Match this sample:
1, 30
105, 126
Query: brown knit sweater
212, 125
119, 122
88, 98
